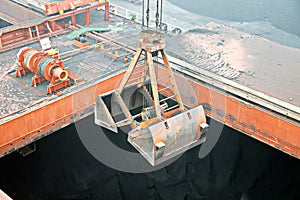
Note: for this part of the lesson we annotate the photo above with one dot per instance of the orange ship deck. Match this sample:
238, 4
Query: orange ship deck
234, 78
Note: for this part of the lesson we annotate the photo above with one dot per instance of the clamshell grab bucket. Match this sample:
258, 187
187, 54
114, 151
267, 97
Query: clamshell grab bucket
149, 101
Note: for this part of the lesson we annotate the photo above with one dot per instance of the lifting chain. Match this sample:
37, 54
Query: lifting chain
147, 13
158, 15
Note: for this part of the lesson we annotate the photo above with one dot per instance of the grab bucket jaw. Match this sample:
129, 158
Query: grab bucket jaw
103, 116
167, 139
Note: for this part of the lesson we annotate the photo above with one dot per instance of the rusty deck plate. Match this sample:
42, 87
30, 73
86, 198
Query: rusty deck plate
15, 94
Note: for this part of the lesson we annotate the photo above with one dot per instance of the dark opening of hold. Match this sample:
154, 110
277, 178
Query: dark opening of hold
4, 23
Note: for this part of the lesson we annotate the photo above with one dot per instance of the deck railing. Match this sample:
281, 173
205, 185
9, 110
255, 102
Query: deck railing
128, 14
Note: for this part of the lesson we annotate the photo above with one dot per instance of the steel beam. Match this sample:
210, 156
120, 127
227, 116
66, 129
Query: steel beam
172, 80
129, 70
73, 20
154, 85
88, 17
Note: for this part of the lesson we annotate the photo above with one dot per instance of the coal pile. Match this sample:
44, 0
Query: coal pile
238, 168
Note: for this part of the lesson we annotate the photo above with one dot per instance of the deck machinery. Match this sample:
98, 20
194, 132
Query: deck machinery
45, 65
161, 125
